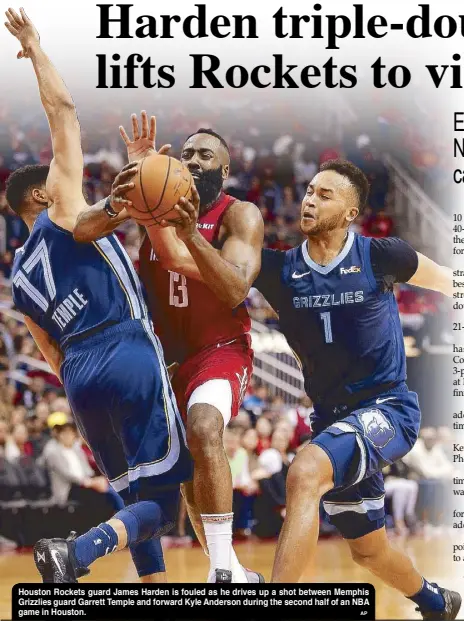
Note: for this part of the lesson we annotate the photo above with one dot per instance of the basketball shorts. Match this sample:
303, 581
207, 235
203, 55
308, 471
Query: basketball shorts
117, 384
231, 362
377, 433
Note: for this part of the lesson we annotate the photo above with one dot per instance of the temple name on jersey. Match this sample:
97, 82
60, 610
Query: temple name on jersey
327, 301
69, 308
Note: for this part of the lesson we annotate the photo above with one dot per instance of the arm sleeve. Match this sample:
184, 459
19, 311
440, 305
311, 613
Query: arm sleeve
393, 260
268, 280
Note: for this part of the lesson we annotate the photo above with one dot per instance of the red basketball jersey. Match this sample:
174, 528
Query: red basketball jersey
187, 315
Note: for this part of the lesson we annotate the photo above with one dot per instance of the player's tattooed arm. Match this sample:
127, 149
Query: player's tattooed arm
430, 275
230, 272
98, 220
49, 347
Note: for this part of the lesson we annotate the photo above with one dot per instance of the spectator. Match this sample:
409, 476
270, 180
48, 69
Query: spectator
428, 462
300, 418
264, 431
256, 401
378, 225
18, 443
250, 444
237, 456
34, 393
277, 458
428, 459
38, 436
68, 467
403, 492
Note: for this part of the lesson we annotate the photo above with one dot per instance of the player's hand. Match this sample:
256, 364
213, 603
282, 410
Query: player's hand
23, 29
187, 212
142, 143
121, 185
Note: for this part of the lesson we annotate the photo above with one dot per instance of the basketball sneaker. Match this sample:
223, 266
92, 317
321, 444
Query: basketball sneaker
223, 575
56, 562
452, 605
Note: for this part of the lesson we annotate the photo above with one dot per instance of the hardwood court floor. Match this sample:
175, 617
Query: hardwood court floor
333, 564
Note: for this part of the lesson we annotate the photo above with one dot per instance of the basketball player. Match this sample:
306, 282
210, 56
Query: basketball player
197, 275
334, 296
84, 307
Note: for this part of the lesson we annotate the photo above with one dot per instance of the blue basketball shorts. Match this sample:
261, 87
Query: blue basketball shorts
375, 434
118, 387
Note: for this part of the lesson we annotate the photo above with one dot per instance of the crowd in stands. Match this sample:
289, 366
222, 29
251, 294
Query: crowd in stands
42, 457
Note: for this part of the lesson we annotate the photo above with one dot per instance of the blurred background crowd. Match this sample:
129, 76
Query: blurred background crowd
44, 465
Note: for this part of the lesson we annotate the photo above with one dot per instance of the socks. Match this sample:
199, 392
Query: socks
148, 557
143, 520
218, 531
97, 542
429, 597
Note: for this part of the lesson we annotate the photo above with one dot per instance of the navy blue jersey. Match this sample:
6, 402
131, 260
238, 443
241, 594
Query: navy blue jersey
72, 290
342, 319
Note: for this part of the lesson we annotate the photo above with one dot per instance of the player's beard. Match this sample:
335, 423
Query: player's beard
209, 186
326, 226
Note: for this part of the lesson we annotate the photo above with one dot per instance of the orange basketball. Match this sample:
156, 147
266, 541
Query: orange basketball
160, 183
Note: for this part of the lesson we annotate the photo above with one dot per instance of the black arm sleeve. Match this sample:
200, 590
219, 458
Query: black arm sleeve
393, 260
268, 280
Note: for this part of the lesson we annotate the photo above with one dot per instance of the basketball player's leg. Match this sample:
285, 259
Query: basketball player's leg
378, 436
209, 389
212, 479
132, 437
194, 514
309, 477
371, 549
375, 553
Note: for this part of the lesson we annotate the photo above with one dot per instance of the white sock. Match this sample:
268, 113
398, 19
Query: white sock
218, 531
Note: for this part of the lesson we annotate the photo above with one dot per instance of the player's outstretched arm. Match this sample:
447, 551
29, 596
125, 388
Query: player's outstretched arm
64, 183
430, 275
49, 348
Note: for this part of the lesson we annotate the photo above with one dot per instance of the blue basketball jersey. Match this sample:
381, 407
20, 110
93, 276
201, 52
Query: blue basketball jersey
343, 326
72, 290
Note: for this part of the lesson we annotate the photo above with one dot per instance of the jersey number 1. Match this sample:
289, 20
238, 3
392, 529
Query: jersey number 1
325, 318
178, 294
40, 255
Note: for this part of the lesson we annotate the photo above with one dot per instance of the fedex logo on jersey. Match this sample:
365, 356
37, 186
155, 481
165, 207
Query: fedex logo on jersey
377, 428
328, 301
354, 269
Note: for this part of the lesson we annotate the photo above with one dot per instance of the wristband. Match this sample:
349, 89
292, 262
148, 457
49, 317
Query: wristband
108, 209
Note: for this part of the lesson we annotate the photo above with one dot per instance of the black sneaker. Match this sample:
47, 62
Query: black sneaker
56, 562
452, 605
223, 575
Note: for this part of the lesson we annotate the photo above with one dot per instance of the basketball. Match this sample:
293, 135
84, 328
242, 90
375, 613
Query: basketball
160, 183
